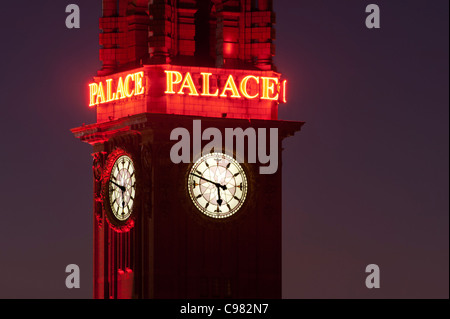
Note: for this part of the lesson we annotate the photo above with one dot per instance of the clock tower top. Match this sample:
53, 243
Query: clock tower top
210, 58
235, 34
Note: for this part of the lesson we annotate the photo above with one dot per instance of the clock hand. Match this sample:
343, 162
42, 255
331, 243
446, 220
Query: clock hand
124, 192
214, 183
122, 188
204, 179
219, 201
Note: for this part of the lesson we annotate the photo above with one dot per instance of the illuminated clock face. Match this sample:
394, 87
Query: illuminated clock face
122, 188
217, 185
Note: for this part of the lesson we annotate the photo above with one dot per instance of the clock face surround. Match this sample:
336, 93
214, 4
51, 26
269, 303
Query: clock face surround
217, 185
122, 188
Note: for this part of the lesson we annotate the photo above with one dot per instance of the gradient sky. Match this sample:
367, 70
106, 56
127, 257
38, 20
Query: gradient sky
365, 181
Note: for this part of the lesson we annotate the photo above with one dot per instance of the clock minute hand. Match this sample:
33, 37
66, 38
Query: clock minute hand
219, 200
122, 188
214, 183
205, 179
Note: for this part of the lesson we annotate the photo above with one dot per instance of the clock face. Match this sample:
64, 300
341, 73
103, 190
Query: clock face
217, 185
122, 188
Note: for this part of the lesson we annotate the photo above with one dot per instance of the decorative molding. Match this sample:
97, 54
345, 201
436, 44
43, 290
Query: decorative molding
98, 168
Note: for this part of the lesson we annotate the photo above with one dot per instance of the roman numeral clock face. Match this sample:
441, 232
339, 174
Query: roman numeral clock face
122, 188
217, 185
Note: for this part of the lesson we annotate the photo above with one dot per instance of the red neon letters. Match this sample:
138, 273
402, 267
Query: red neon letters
123, 88
250, 87
268, 87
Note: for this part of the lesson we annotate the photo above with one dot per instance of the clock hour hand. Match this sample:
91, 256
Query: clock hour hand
123, 190
219, 201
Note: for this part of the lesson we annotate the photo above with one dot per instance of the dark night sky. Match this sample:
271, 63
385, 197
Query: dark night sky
365, 181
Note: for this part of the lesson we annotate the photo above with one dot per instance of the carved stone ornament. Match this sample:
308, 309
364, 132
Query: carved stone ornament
97, 168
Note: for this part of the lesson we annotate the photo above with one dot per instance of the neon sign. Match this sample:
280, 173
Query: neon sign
122, 89
250, 87
269, 88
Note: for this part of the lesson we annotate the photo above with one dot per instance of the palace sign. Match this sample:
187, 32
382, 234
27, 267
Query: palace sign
250, 87
124, 88
177, 83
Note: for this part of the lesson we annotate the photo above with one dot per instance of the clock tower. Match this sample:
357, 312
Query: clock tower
187, 150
